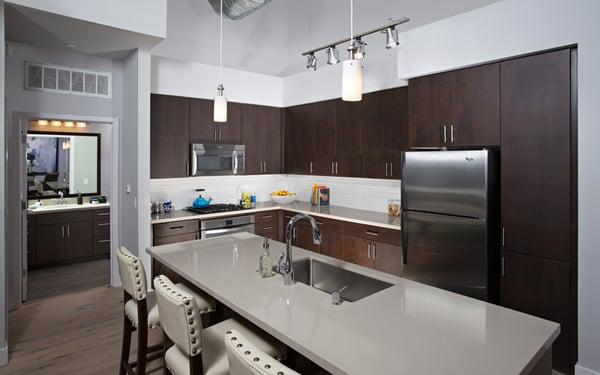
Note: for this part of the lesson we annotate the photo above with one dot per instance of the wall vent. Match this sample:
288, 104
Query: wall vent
65, 80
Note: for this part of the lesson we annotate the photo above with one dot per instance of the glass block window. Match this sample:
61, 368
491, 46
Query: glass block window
65, 80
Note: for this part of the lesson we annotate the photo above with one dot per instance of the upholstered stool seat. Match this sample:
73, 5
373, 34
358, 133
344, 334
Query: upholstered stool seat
246, 358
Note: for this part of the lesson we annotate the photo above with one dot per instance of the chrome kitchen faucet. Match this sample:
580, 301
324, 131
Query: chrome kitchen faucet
287, 268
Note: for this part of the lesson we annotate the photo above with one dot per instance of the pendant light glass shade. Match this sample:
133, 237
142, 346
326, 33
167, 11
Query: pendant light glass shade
220, 106
352, 81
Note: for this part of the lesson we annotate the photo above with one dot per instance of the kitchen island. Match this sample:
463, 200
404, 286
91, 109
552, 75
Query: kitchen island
408, 328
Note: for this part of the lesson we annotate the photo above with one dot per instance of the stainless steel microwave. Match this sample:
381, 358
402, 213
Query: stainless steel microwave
209, 159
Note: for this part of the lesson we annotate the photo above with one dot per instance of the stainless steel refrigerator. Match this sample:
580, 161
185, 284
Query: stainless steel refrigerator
450, 221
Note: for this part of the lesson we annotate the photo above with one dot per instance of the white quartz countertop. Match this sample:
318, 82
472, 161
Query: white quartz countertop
66, 207
409, 328
379, 219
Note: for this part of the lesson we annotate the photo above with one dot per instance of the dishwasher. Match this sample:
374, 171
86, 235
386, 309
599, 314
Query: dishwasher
224, 226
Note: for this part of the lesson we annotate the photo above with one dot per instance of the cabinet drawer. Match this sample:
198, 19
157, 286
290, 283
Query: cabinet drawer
176, 228
102, 227
31, 235
101, 245
266, 217
373, 233
176, 238
64, 217
329, 225
102, 214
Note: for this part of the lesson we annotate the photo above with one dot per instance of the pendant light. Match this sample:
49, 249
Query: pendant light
220, 102
352, 75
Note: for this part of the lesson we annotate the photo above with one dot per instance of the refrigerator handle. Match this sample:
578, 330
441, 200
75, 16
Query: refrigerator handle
503, 240
404, 239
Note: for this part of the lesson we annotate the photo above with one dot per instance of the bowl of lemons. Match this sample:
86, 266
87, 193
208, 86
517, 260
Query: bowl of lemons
283, 196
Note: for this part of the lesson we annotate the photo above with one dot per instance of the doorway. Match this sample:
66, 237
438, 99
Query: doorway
67, 180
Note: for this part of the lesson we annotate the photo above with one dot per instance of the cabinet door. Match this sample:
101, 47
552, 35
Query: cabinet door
79, 239
230, 132
321, 117
347, 138
475, 106
387, 258
540, 287
261, 130
169, 136
202, 126
396, 117
331, 244
356, 250
375, 148
536, 155
298, 140
429, 107
51, 243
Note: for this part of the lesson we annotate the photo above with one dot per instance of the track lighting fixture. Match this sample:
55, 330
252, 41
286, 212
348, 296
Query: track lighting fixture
333, 56
311, 62
359, 49
391, 37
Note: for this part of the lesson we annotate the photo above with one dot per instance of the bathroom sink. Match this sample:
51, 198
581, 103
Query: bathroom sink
329, 278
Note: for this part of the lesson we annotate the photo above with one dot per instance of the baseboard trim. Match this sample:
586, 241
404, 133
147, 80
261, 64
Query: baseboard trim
580, 370
4, 356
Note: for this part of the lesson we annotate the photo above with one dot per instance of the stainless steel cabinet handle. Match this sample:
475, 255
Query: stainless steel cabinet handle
445, 134
68, 231
103, 241
375, 234
215, 134
336, 167
374, 251
264, 166
104, 214
220, 136
391, 169
266, 228
451, 133
63, 231
332, 168
105, 224
176, 227
502, 269
386, 169
503, 240
311, 167
294, 233
369, 251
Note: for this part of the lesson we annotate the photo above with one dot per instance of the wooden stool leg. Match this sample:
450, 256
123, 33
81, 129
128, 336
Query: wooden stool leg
126, 346
142, 350
167, 343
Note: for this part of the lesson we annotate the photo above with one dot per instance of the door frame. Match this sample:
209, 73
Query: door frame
16, 235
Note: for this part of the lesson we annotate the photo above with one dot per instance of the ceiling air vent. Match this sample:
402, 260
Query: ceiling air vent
237, 9
65, 80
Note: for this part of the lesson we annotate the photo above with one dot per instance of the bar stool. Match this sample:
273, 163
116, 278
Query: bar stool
141, 312
199, 350
246, 359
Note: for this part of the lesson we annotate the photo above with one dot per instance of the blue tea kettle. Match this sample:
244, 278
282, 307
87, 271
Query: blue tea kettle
201, 202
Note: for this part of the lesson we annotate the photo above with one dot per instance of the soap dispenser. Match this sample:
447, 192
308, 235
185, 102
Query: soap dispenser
266, 260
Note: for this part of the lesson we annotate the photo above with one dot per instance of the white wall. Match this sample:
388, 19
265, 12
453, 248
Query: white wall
135, 161
115, 13
3, 327
175, 77
514, 27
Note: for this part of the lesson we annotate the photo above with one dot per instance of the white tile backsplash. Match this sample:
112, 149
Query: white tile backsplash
361, 193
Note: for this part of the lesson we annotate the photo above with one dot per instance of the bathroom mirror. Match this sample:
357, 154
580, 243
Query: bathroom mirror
62, 162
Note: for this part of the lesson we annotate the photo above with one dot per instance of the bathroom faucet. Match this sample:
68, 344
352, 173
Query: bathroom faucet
61, 198
287, 268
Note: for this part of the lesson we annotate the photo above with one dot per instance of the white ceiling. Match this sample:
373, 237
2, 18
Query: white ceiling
268, 41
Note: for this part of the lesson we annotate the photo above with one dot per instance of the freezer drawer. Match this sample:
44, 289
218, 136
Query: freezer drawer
444, 251
447, 182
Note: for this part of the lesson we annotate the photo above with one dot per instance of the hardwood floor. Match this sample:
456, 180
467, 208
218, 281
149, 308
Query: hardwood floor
78, 333
54, 281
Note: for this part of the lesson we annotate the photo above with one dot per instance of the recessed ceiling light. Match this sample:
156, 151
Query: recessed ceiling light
70, 45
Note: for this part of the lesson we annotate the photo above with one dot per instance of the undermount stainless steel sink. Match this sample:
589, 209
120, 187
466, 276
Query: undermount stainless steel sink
329, 279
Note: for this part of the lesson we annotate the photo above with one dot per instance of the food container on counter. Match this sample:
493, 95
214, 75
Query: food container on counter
394, 207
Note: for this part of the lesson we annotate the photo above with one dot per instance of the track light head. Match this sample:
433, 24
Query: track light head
311, 62
333, 56
391, 37
358, 52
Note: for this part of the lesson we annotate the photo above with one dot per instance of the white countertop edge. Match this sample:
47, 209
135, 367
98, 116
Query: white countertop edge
273, 208
68, 207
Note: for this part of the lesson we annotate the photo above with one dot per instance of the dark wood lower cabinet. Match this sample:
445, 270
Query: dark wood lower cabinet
356, 250
79, 240
387, 258
52, 245
541, 287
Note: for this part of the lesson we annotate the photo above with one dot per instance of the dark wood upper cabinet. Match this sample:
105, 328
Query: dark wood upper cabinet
384, 132
169, 136
540, 287
475, 106
204, 130
321, 116
348, 131
299, 140
536, 155
456, 109
261, 133
429, 110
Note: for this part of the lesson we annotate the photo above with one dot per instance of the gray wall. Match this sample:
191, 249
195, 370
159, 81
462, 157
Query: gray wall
3, 348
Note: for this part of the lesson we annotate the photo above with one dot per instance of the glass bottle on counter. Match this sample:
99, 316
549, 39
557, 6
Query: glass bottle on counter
266, 260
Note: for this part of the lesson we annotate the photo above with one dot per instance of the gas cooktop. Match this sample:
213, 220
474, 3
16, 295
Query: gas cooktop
215, 208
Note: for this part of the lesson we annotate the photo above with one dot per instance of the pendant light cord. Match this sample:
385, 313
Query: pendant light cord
221, 46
